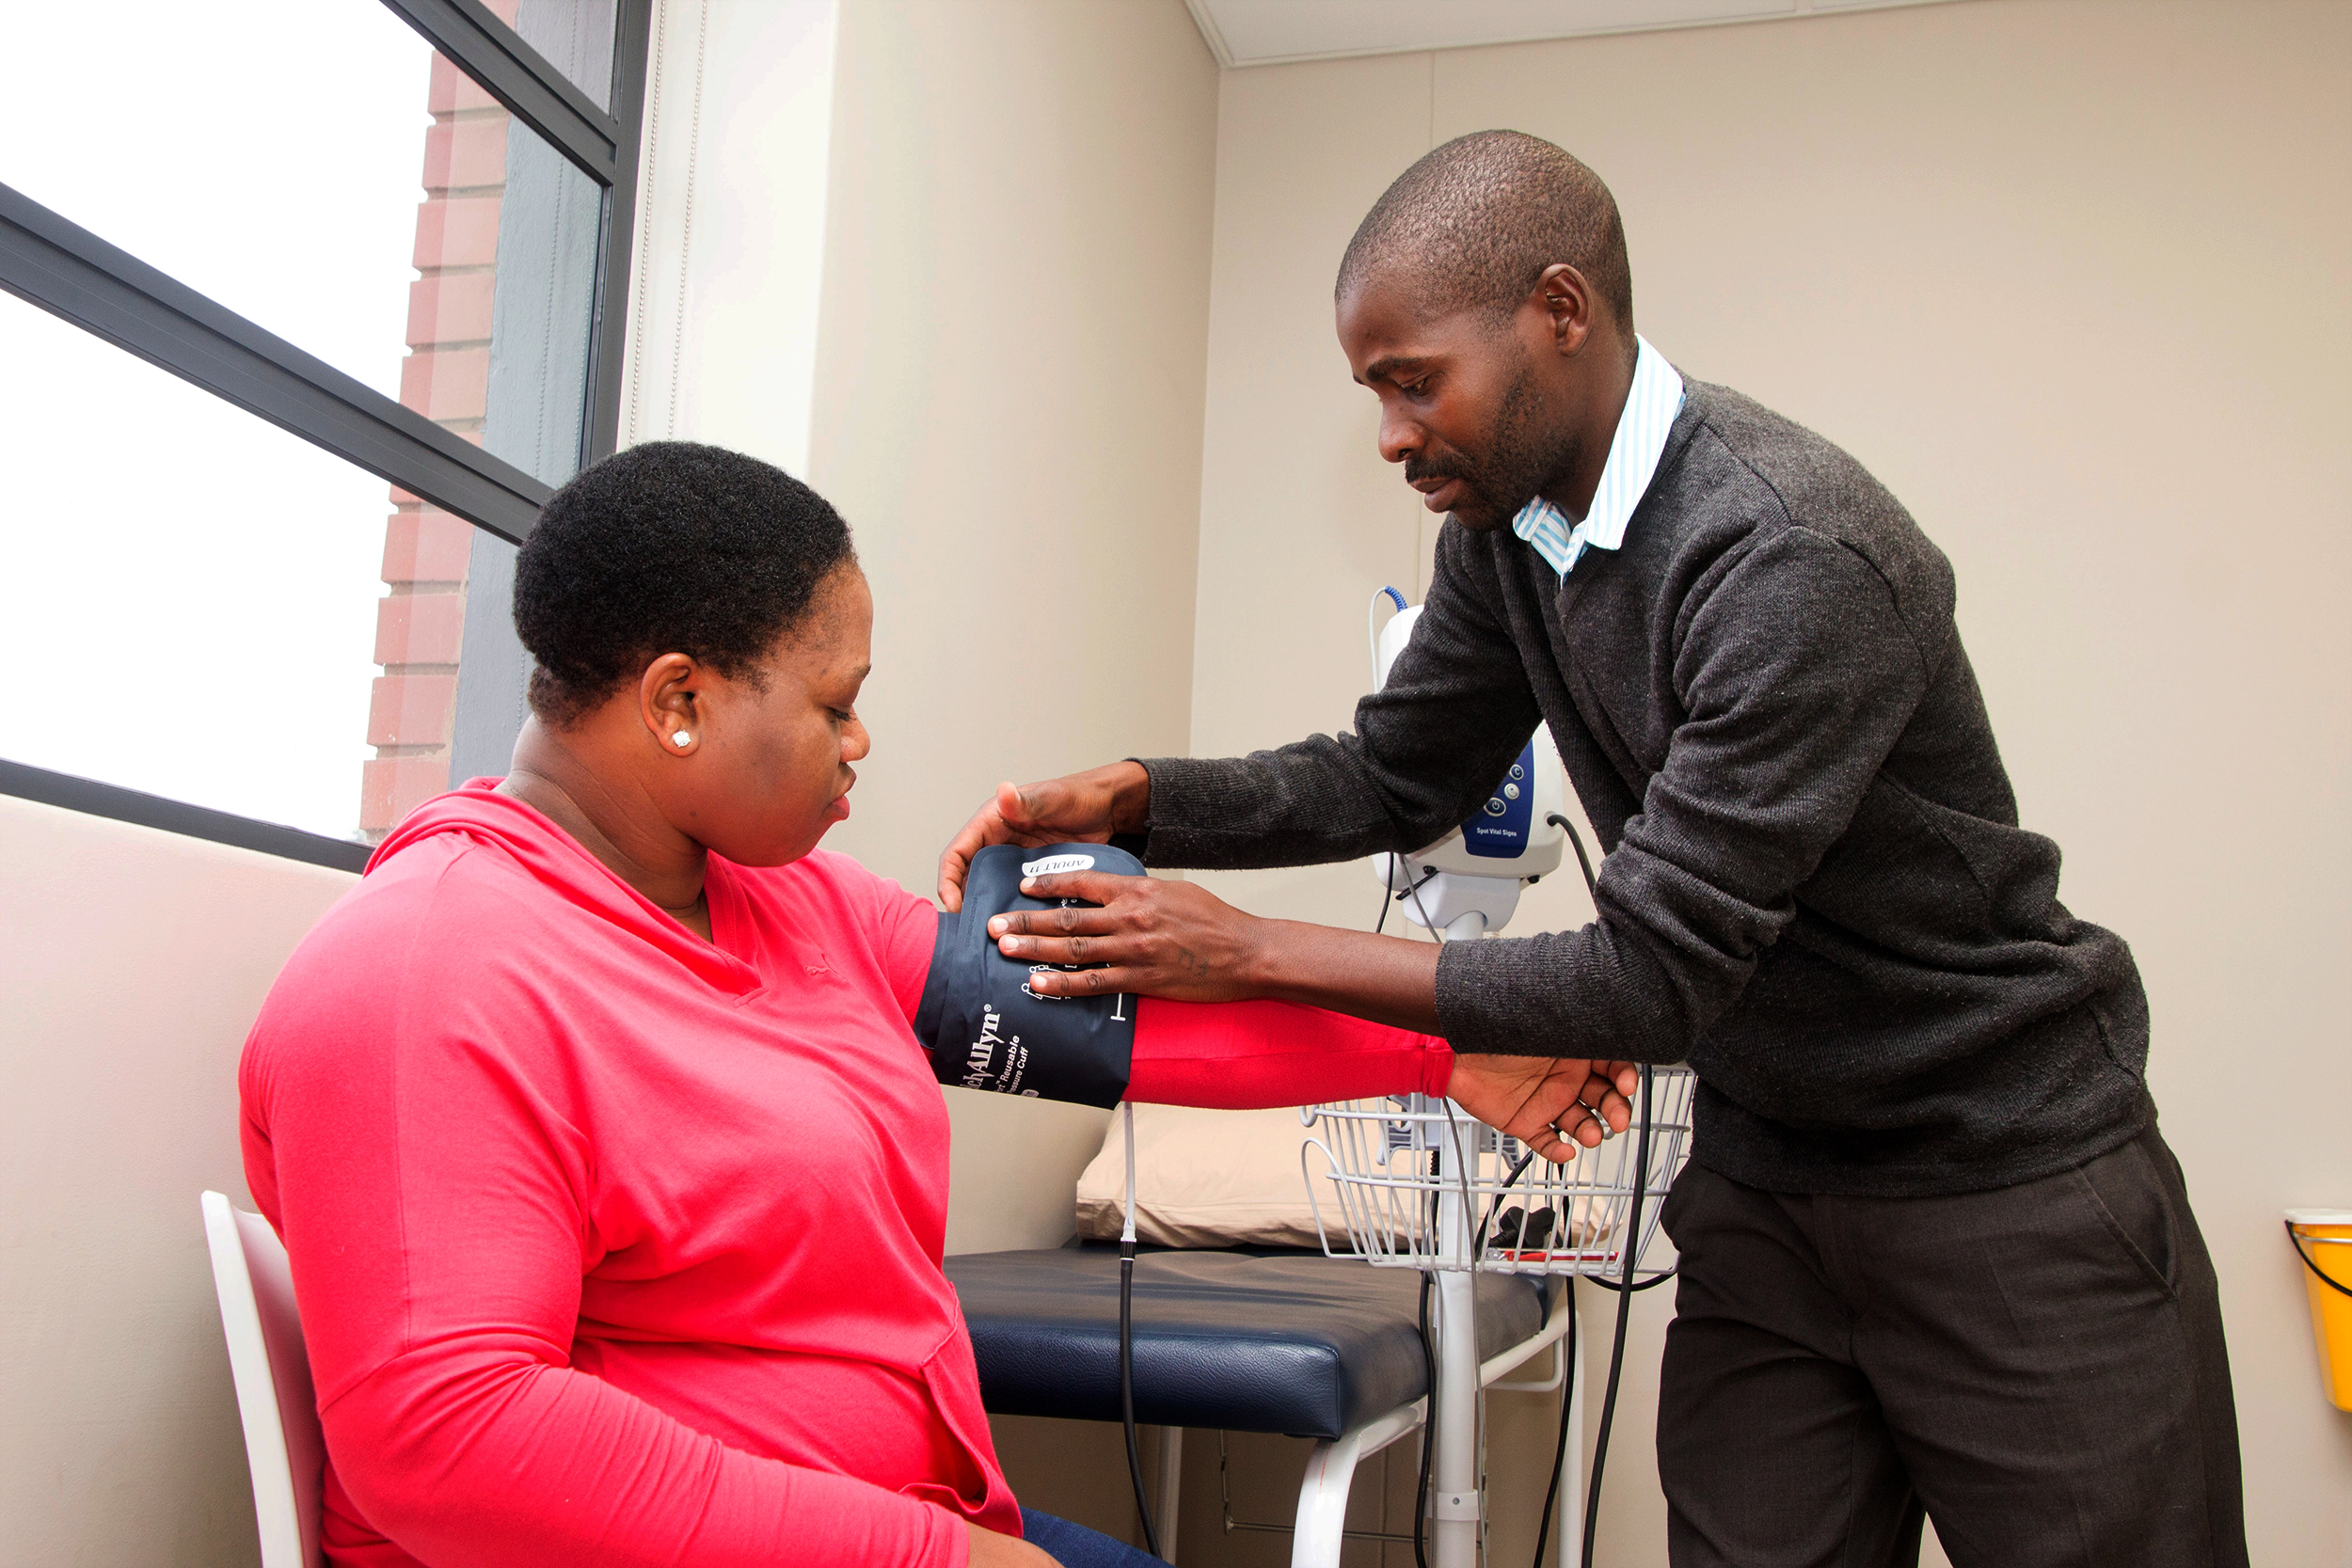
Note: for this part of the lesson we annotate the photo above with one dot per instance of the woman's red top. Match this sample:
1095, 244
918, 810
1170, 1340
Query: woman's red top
614, 1245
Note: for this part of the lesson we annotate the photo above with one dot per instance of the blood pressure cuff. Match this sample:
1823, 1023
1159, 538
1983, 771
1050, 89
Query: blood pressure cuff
985, 1028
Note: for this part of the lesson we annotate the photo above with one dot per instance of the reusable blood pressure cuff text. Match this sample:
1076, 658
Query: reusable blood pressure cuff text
985, 1028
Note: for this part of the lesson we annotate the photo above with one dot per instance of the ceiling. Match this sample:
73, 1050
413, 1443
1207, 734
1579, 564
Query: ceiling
1265, 32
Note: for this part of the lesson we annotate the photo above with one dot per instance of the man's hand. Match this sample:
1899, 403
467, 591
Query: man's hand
1159, 939
1555, 1106
1084, 807
992, 1550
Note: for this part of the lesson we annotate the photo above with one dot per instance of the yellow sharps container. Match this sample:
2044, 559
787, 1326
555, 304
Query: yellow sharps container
2324, 1237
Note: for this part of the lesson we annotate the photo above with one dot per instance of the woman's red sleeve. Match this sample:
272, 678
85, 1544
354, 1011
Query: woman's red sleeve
1250, 1055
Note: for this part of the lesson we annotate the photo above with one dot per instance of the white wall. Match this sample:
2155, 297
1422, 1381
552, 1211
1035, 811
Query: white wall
133, 963
2071, 275
1011, 370
903, 249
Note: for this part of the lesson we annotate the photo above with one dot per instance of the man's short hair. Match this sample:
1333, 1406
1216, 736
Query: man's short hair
1473, 225
667, 547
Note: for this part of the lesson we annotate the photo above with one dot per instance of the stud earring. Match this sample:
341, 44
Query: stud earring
682, 738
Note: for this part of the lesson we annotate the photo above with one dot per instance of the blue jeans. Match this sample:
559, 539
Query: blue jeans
1077, 1546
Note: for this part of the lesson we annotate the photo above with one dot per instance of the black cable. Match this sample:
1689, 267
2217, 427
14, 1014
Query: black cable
1612, 1286
1560, 1448
1429, 1416
1413, 891
1428, 1431
1630, 1248
1478, 1248
1592, 884
1127, 1388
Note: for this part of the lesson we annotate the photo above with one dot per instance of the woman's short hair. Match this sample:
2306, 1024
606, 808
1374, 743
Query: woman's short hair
667, 547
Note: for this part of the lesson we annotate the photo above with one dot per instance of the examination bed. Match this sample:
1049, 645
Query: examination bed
1245, 1340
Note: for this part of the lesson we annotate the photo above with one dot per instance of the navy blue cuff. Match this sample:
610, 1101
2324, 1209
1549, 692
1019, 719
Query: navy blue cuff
984, 1027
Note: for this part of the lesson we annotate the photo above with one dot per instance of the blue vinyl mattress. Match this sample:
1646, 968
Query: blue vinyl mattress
1290, 1342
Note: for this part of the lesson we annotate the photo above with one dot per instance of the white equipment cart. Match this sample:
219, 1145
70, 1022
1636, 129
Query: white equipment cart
1422, 1185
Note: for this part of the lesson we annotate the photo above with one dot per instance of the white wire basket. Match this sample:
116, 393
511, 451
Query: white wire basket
1421, 1185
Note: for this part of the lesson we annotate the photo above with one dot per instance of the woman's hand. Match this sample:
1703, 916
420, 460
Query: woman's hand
992, 1550
1555, 1106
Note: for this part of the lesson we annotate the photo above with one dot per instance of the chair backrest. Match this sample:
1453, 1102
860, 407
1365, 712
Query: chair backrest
283, 1446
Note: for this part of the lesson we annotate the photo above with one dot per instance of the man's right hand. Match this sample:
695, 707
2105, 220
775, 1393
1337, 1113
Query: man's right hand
1088, 806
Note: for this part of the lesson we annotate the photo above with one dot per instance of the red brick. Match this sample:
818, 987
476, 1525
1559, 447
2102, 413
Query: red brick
503, 11
457, 232
453, 309
450, 89
411, 710
427, 546
391, 788
420, 628
446, 383
466, 152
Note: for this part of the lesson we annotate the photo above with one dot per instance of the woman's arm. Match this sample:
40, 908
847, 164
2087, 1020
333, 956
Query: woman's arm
480, 1449
1246, 1055
432, 1200
1229, 1055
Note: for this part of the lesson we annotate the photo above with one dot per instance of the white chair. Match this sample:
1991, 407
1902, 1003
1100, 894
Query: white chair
283, 1446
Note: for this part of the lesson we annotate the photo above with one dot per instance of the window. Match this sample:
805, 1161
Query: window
269, 567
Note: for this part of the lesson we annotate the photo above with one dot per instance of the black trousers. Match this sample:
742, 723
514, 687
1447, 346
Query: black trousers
2039, 1368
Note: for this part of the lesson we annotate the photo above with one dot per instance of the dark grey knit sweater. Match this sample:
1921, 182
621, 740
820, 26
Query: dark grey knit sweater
1816, 890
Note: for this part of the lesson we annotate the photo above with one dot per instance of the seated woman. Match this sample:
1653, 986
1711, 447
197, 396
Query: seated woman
613, 1175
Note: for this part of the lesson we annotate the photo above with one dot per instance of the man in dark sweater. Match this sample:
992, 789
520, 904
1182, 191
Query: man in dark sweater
1934, 1255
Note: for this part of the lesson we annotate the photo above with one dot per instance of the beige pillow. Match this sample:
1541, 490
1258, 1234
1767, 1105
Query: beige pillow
1208, 1179
1212, 1179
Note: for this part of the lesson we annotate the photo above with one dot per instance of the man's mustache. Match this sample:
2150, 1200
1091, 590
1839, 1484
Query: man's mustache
1418, 468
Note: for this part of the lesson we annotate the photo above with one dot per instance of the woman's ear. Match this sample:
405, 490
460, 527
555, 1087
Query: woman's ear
667, 702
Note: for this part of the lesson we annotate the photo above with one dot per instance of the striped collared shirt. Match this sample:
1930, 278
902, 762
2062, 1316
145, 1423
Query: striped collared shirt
1649, 413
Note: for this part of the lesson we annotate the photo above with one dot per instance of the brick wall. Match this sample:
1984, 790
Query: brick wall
420, 625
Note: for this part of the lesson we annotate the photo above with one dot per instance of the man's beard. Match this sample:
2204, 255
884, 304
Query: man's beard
1523, 457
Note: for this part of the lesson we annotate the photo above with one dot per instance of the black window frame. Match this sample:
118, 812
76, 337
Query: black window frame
49, 262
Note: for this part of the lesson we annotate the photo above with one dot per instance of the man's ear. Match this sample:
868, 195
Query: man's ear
669, 704
1566, 301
